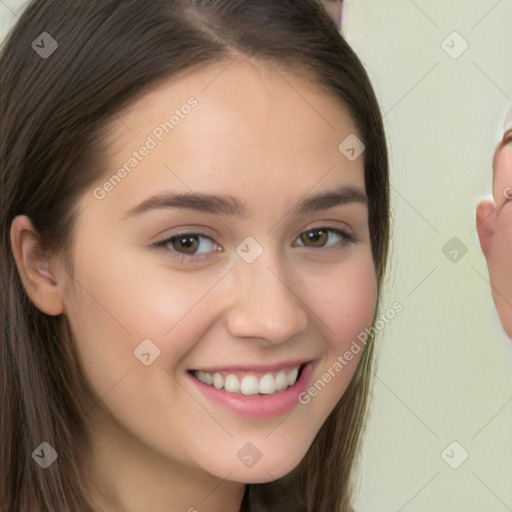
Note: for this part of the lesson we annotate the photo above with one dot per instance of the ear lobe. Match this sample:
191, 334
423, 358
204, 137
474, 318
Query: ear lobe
40, 283
485, 224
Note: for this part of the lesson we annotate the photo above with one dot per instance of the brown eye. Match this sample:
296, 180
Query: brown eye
191, 246
317, 237
189, 243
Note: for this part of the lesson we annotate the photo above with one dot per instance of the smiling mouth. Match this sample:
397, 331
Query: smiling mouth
250, 383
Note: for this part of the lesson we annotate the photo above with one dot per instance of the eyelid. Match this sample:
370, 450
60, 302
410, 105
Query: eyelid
329, 225
347, 238
190, 232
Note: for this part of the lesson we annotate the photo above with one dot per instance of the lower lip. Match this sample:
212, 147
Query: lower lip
258, 406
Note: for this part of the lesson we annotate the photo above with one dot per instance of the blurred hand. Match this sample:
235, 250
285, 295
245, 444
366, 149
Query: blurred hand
494, 226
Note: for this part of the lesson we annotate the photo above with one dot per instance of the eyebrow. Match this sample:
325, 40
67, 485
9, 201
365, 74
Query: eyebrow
232, 206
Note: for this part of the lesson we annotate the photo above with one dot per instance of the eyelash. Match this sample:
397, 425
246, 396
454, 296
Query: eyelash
186, 258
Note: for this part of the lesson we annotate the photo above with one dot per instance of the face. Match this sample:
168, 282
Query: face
494, 221
208, 259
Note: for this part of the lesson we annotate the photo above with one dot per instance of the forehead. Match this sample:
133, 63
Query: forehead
240, 93
238, 124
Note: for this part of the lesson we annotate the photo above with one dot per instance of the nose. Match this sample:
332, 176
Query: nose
264, 303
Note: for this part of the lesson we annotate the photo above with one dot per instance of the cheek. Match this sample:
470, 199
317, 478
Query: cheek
346, 303
134, 300
118, 307
114, 307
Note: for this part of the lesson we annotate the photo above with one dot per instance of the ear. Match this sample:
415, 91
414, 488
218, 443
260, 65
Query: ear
485, 224
37, 275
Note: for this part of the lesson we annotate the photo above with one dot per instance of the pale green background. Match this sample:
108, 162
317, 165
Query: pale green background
445, 371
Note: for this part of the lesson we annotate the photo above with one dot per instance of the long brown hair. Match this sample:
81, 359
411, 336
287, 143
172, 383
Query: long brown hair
53, 112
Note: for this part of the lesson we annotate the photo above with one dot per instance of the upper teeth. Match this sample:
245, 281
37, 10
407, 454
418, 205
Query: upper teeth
269, 383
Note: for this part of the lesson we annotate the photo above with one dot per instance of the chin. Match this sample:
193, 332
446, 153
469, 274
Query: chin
267, 471
263, 475
264, 470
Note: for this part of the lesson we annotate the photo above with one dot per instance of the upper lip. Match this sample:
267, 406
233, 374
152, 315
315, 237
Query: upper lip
254, 367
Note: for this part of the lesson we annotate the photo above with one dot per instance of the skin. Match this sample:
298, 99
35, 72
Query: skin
268, 137
494, 225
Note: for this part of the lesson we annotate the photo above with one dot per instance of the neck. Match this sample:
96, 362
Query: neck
124, 475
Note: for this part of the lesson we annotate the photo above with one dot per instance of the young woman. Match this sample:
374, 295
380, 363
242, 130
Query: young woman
195, 222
